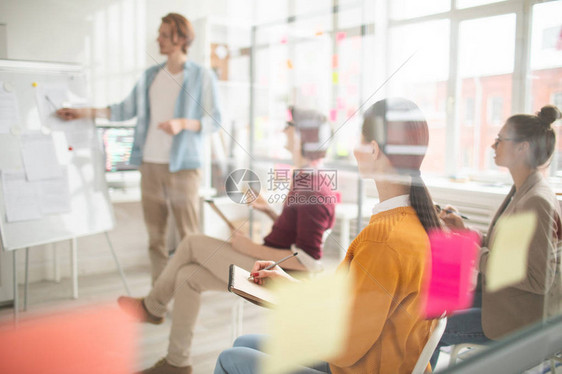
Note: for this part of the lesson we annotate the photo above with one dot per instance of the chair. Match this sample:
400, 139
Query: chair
456, 350
556, 359
237, 314
430, 346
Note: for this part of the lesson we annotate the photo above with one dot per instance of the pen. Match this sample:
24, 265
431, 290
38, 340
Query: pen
448, 211
275, 264
51, 102
452, 211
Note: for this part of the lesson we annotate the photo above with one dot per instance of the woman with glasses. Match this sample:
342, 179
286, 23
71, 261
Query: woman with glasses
524, 145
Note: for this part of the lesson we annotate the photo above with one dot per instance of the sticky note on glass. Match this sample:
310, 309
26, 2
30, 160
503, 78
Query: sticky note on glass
289, 64
340, 36
333, 115
289, 115
335, 61
507, 261
309, 322
340, 102
450, 271
89, 341
335, 77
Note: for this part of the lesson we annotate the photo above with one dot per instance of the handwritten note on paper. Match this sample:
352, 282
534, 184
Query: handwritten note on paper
309, 322
507, 261
54, 194
39, 157
20, 197
449, 278
9, 112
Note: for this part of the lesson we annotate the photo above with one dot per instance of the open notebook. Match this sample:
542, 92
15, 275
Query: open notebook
239, 284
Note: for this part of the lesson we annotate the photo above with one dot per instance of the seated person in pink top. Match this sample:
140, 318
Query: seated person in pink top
202, 263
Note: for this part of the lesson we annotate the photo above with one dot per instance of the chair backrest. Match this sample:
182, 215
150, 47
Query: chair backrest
325, 236
430, 346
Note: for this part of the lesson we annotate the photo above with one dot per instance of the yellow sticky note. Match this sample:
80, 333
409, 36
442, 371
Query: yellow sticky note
335, 77
289, 64
309, 322
507, 262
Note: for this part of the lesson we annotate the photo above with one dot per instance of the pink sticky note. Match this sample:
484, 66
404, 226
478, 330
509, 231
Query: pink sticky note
333, 115
340, 103
284, 39
449, 272
335, 61
86, 341
289, 115
340, 36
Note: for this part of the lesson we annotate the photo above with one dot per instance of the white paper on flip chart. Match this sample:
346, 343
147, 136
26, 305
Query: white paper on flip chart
50, 98
20, 197
54, 194
39, 157
9, 112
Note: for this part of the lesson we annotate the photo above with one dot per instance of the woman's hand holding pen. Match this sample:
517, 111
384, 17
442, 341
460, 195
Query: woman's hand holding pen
450, 215
260, 274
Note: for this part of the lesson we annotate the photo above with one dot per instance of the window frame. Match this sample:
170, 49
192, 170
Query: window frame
521, 84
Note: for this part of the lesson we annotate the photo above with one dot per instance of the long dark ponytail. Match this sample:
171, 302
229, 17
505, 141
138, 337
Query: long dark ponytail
400, 129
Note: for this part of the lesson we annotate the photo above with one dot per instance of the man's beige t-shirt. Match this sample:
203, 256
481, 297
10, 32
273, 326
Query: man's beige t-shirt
163, 94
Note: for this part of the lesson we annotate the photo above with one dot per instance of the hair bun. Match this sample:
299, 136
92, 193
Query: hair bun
548, 114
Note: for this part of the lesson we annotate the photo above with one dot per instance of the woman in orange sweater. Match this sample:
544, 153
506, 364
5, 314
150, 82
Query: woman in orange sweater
387, 259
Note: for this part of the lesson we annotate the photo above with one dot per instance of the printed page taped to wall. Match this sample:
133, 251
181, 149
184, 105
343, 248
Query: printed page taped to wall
9, 112
308, 322
20, 197
507, 262
25, 200
39, 157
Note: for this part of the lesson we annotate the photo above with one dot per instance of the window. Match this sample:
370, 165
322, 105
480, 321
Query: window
469, 110
472, 3
551, 37
546, 66
557, 99
402, 9
486, 60
419, 54
495, 110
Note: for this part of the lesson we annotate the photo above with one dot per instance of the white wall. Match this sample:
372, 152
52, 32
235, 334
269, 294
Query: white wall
3, 41
114, 40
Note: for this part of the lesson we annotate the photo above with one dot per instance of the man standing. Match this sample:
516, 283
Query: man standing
176, 104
